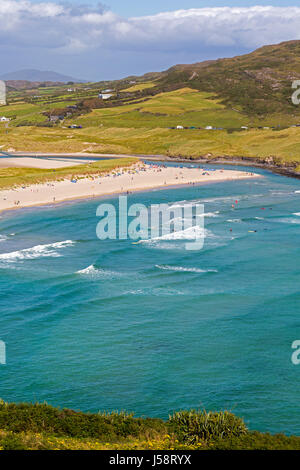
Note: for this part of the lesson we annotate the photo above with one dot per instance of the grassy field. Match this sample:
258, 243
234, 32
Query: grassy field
143, 127
42, 427
140, 87
283, 145
12, 177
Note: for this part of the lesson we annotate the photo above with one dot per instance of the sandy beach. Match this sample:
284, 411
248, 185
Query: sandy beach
44, 163
135, 178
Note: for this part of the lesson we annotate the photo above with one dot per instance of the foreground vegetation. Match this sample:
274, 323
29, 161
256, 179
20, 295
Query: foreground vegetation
42, 427
13, 177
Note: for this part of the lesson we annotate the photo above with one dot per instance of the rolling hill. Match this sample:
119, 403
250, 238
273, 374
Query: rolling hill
33, 75
237, 107
257, 83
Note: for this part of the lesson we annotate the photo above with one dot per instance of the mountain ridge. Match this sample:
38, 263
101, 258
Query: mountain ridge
34, 75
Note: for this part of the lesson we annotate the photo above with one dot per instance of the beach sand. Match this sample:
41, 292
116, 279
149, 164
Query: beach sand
42, 163
138, 177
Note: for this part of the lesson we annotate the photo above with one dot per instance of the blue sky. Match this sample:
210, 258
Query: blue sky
129, 8
129, 37
134, 7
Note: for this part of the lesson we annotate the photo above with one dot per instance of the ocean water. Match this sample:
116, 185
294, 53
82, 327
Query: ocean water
152, 328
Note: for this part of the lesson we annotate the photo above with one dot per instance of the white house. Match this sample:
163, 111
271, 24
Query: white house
105, 96
4, 119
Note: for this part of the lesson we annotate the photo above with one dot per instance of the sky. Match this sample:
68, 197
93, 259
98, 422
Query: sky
112, 39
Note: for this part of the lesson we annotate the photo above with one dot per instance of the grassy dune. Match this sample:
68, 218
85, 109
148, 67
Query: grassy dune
283, 145
12, 177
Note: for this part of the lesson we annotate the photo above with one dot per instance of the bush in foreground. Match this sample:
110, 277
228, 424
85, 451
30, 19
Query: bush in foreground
43, 427
192, 426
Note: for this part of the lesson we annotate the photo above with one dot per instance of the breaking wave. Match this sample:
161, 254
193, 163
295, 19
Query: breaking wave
92, 271
185, 270
38, 251
191, 233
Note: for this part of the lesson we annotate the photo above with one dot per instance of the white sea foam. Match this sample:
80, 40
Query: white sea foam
290, 220
194, 202
181, 204
211, 214
89, 270
92, 271
297, 214
156, 292
191, 233
38, 251
3, 238
185, 270
234, 221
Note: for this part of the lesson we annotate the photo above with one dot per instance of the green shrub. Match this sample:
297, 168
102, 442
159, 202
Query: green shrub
12, 442
43, 418
192, 426
258, 441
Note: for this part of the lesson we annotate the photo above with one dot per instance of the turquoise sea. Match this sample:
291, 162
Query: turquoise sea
152, 328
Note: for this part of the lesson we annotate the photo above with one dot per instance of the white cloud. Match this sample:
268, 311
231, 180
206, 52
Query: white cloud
66, 29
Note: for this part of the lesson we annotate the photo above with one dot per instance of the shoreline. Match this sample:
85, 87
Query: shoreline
267, 164
78, 199
137, 178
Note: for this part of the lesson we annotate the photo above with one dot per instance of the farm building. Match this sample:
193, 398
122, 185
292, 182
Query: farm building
105, 96
54, 117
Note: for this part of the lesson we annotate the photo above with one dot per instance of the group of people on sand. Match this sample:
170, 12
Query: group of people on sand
179, 175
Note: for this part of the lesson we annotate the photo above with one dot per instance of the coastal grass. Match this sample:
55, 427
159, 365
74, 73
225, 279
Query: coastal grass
27, 426
14, 177
282, 145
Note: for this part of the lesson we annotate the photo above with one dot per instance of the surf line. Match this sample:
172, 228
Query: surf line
158, 220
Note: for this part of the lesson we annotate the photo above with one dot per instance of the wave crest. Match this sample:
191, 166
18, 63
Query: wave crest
38, 251
92, 271
191, 233
185, 270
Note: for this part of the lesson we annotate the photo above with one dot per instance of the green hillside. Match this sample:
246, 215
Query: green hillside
246, 100
257, 84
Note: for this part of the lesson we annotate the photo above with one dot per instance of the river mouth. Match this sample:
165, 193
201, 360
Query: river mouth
151, 328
